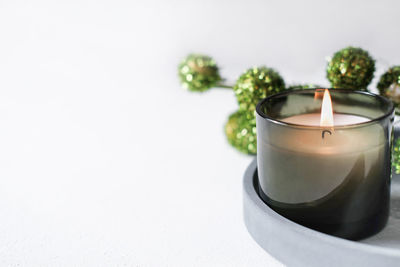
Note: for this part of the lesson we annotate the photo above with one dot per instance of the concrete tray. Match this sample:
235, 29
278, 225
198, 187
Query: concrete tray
296, 245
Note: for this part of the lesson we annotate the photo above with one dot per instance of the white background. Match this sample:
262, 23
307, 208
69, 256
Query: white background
106, 161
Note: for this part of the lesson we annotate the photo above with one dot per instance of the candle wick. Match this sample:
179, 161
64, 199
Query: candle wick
325, 131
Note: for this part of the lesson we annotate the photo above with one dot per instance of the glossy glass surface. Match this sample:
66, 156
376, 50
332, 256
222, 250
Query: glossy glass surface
332, 179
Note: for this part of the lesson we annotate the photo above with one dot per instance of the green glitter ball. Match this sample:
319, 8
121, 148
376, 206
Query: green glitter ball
389, 85
303, 86
198, 73
241, 131
255, 84
396, 156
351, 68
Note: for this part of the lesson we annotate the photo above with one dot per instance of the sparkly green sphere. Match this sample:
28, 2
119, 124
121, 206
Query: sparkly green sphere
396, 156
389, 85
302, 86
241, 131
255, 84
351, 68
198, 73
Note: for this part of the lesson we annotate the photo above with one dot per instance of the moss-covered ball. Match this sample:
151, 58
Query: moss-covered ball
351, 68
255, 84
241, 131
389, 85
198, 73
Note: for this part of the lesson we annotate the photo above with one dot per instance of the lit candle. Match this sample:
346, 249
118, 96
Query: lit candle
327, 170
326, 117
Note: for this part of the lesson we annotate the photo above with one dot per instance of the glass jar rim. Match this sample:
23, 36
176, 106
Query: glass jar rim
390, 111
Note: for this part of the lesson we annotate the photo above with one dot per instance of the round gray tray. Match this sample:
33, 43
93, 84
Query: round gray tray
296, 245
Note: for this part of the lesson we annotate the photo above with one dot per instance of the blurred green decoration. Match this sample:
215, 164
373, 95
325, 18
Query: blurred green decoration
351, 68
303, 86
199, 73
255, 84
396, 156
240, 131
389, 85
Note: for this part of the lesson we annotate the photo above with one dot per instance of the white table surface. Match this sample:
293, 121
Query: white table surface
106, 161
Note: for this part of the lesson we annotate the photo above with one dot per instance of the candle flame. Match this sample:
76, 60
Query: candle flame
326, 110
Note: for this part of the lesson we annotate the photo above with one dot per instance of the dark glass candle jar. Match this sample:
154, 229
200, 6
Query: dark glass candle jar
334, 179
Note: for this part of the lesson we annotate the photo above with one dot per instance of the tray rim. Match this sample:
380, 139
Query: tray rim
255, 210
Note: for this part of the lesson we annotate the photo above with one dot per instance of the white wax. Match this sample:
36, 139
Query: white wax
313, 119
